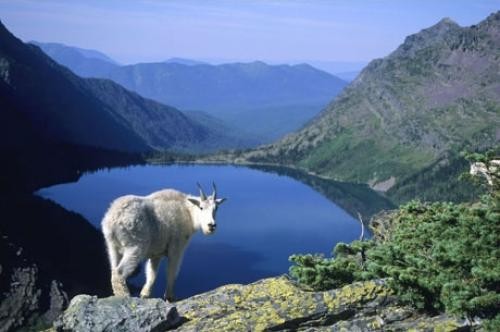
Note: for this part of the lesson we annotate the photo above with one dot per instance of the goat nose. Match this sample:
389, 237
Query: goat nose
211, 226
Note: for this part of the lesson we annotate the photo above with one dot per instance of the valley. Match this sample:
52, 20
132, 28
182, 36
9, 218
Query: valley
303, 154
264, 101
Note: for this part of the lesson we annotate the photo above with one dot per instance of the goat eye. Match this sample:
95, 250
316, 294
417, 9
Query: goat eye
201, 208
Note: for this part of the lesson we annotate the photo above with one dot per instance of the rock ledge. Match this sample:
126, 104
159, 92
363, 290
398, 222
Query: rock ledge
88, 313
273, 304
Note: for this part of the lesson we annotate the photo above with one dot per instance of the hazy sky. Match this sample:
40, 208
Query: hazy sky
270, 30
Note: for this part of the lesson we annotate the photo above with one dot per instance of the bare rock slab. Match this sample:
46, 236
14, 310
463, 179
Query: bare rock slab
89, 313
279, 304
273, 304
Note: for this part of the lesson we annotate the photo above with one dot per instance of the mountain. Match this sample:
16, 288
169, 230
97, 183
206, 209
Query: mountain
159, 126
244, 95
271, 123
58, 49
83, 62
267, 101
223, 134
43, 100
183, 61
193, 85
408, 113
51, 130
228, 87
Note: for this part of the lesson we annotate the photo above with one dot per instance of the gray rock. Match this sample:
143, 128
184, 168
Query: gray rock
21, 303
279, 304
58, 301
29, 300
273, 304
89, 313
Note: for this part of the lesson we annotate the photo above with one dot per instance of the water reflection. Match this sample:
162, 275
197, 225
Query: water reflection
351, 197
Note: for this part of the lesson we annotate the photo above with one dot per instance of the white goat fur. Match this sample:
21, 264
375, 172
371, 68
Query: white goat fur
137, 228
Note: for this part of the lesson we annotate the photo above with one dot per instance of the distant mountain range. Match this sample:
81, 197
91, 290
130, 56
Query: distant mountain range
72, 53
184, 61
400, 125
85, 63
228, 87
42, 100
267, 101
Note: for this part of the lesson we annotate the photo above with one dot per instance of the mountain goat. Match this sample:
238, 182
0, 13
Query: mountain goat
150, 227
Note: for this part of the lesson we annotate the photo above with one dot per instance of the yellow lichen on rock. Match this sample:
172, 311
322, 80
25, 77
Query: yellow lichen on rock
330, 300
357, 292
279, 304
265, 304
270, 304
447, 326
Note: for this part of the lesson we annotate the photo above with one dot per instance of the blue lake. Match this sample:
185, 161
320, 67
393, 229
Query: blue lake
267, 218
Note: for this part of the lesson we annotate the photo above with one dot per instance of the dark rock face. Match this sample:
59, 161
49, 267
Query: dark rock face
15, 309
39, 273
27, 300
273, 304
88, 313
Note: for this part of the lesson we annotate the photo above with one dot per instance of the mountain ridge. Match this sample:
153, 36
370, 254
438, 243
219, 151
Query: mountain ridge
18, 62
438, 91
265, 100
84, 62
51, 47
124, 75
53, 104
185, 61
225, 86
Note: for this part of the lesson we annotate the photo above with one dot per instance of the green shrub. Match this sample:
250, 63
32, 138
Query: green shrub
321, 273
444, 256
438, 257
492, 324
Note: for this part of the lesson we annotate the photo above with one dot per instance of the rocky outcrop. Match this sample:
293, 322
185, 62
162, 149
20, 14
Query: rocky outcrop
88, 313
273, 304
38, 274
27, 300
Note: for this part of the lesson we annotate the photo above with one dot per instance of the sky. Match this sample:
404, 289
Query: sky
276, 31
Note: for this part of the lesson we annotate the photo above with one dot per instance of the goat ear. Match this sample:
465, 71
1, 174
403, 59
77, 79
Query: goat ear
219, 201
194, 200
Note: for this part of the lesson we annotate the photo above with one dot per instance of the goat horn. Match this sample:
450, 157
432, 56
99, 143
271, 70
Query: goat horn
215, 190
202, 194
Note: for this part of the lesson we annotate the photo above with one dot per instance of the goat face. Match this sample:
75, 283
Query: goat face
206, 208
